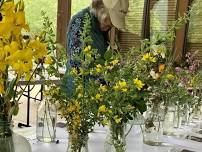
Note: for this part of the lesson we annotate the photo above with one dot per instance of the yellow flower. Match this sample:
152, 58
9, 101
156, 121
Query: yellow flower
124, 89
148, 57
102, 109
110, 111
98, 68
170, 76
8, 6
5, 30
87, 49
116, 87
20, 18
27, 66
2, 54
103, 88
76, 121
2, 67
138, 83
39, 48
109, 67
98, 97
27, 54
105, 122
14, 46
77, 104
117, 119
122, 84
18, 67
2, 88
74, 71
81, 71
48, 60
80, 95
71, 108
114, 62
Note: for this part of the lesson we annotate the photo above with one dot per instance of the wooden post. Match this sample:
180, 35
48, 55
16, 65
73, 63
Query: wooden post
180, 40
63, 17
146, 20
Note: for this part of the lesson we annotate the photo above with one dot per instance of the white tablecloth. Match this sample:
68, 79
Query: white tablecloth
97, 138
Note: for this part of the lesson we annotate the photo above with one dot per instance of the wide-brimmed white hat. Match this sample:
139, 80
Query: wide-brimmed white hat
117, 11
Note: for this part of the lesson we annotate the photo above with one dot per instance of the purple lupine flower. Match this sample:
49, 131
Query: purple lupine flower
178, 69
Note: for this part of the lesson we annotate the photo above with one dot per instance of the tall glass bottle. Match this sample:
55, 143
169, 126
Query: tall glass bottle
46, 121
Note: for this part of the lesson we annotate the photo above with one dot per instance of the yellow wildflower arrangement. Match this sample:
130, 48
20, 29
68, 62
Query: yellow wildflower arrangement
20, 54
76, 105
133, 79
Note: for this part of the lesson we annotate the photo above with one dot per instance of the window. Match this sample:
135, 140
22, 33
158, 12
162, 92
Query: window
195, 32
134, 20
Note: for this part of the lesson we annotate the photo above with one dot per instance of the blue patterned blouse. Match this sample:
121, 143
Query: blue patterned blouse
74, 45
73, 36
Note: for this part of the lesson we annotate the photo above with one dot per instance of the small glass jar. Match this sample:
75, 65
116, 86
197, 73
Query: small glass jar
116, 138
46, 121
178, 117
168, 124
152, 129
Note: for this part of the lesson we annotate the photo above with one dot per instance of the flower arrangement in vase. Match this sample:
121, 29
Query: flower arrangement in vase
20, 57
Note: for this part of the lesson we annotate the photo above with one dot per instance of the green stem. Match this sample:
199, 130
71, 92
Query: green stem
28, 82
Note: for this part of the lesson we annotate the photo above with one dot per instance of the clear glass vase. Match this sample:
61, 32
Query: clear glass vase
168, 124
6, 136
152, 129
46, 121
9, 141
78, 143
116, 139
178, 117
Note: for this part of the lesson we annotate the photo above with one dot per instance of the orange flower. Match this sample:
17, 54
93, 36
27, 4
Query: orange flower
161, 67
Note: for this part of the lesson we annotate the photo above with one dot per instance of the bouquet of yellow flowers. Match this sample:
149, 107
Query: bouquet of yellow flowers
20, 55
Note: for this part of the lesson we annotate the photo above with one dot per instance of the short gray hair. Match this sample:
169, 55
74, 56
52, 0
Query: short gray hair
98, 9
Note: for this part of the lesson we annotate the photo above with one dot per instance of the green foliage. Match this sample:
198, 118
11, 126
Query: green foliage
55, 50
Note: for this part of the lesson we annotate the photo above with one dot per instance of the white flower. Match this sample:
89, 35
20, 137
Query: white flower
154, 74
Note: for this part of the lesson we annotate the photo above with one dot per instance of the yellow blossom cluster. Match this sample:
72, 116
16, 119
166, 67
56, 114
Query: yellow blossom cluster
17, 49
73, 110
87, 51
138, 83
148, 57
121, 85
